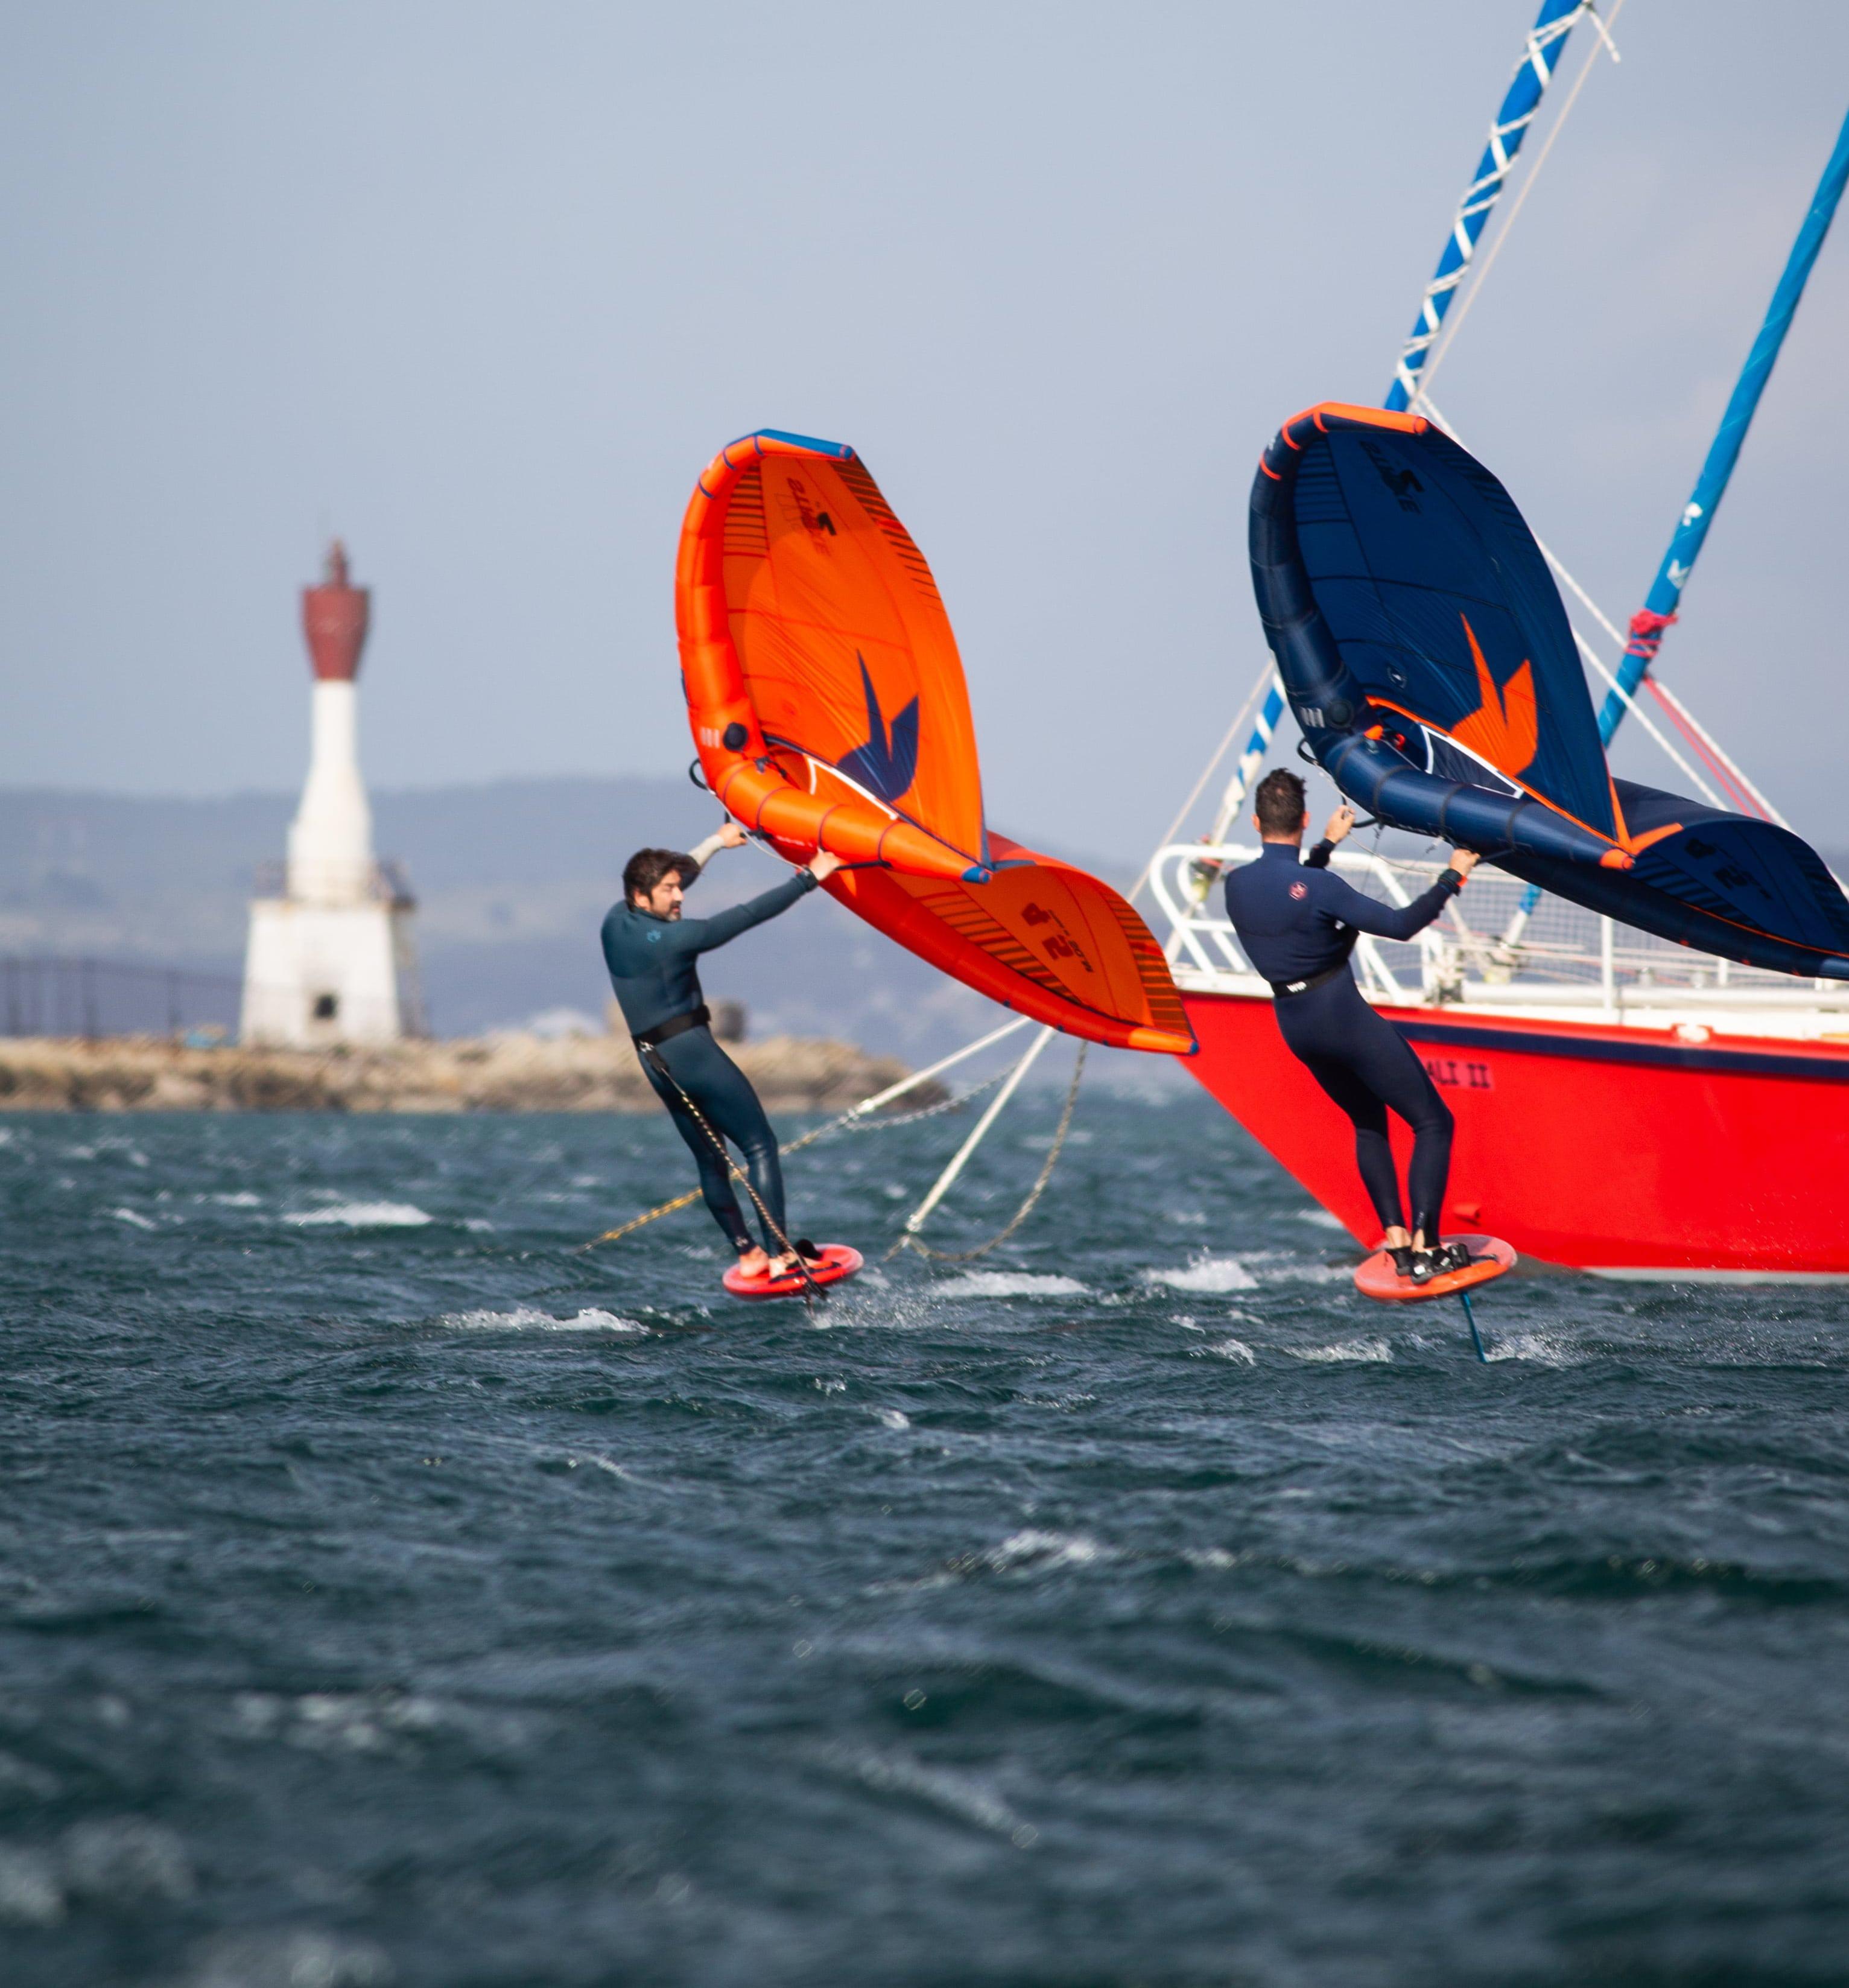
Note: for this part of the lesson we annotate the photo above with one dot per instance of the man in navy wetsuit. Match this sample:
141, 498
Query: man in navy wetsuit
1297, 922
653, 955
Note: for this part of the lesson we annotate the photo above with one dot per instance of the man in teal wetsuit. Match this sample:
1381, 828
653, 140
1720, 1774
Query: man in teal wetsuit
653, 954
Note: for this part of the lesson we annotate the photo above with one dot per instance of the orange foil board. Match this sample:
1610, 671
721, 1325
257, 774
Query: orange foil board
1377, 1278
827, 703
839, 1261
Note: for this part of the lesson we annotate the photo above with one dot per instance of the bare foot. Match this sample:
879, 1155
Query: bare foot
753, 1262
792, 1260
1396, 1238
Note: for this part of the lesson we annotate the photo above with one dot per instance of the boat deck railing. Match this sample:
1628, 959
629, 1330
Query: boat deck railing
1483, 951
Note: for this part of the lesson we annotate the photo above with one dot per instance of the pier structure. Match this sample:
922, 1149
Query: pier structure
330, 959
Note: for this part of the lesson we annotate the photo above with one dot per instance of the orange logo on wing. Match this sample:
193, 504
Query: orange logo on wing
1505, 729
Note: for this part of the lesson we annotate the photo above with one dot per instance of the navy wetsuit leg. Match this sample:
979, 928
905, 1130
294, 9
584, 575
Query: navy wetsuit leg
1369, 1068
1373, 1149
722, 1094
715, 1176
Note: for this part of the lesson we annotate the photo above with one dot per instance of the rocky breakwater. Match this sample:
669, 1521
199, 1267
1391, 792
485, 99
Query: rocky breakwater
502, 1072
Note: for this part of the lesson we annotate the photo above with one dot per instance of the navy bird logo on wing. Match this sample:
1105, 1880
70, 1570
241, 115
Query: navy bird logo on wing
886, 765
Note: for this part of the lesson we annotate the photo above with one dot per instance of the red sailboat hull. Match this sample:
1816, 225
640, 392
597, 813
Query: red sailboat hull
1624, 1149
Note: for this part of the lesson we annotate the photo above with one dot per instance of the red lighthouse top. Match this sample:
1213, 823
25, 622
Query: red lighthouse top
333, 618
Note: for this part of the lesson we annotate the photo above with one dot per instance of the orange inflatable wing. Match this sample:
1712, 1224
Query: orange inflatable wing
828, 709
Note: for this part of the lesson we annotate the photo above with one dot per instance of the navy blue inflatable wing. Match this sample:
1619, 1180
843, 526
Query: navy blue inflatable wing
1427, 659
1747, 890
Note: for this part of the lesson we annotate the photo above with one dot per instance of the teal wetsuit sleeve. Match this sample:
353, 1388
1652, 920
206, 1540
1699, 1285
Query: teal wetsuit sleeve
1338, 899
702, 935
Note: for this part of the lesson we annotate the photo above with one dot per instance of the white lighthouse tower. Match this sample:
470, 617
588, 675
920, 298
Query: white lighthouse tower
330, 960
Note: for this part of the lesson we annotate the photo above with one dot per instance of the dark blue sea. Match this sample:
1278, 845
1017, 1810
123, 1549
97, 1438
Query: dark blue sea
390, 1596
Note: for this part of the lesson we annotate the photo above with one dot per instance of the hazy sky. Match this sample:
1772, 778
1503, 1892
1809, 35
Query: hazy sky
483, 287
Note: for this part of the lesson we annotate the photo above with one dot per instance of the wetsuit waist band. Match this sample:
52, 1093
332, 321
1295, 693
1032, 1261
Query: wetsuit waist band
675, 1025
1282, 988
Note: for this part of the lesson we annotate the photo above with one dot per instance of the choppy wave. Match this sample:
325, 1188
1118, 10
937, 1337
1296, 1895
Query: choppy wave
443, 1602
1299, 1270
1032, 1550
524, 1318
295, 1956
1205, 1273
961, 1796
1545, 1349
1008, 1284
1247, 1271
361, 1215
1366, 1349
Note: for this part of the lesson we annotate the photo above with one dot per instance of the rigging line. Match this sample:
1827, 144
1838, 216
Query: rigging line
1546, 551
1663, 603
1602, 31
1270, 685
1591, 606
1268, 699
849, 1118
811, 1289
943, 1063
1736, 798
850, 1122
1674, 703
947, 1179
1706, 740
1543, 47
1200, 787
1454, 324
1740, 800
1692, 725
1590, 655
910, 1240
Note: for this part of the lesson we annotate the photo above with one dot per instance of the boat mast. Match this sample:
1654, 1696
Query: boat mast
1541, 53
1660, 604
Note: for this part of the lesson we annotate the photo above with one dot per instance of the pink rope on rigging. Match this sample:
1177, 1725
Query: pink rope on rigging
1745, 801
1647, 635
1646, 628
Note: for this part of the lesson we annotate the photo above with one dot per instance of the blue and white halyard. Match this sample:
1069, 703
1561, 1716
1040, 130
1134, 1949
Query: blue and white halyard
1541, 53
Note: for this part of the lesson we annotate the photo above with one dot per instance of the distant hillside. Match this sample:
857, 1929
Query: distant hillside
512, 880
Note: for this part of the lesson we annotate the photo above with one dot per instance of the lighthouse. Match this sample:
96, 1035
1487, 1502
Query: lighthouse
329, 961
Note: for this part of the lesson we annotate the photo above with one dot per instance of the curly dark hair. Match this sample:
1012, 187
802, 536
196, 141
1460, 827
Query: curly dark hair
1279, 803
648, 867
